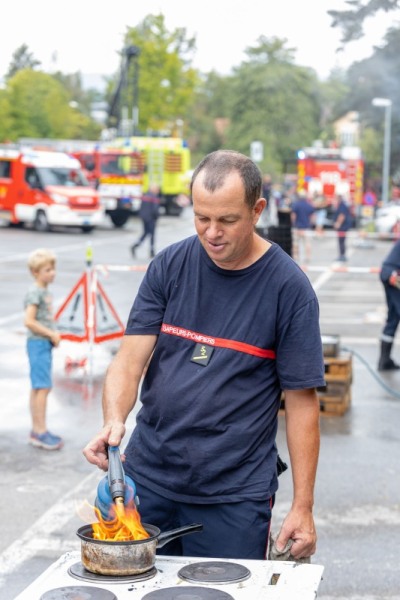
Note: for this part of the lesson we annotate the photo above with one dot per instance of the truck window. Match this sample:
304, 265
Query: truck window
87, 161
32, 178
62, 176
5, 169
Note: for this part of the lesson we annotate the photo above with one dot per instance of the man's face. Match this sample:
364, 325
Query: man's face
224, 222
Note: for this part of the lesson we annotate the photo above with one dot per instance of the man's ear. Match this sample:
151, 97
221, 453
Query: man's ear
258, 208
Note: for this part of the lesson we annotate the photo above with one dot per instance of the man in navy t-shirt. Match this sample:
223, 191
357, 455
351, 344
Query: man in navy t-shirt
224, 320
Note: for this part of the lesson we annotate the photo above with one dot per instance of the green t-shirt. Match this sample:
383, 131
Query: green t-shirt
42, 298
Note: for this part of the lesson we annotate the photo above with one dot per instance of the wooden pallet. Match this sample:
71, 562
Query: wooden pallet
339, 368
335, 396
334, 405
334, 387
329, 404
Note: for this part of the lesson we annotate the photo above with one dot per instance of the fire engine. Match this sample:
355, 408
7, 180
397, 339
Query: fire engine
331, 171
167, 163
46, 189
116, 173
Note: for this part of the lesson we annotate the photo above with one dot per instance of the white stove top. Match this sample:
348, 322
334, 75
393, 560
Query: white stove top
299, 581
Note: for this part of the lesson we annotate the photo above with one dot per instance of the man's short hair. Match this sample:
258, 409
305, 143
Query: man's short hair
219, 164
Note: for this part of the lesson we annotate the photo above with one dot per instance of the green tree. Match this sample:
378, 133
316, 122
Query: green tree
208, 117
351, 21
6, 118
39, 108
166, 81
377, 76
80, 97
21, 59
276, 102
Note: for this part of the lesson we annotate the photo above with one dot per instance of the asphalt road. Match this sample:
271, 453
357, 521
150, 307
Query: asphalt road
357, 506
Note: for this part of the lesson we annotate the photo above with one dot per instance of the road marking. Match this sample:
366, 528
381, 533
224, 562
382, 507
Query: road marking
65, 248
322, 279
33, 540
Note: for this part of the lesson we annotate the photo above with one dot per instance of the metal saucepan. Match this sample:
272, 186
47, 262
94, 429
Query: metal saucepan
106, 557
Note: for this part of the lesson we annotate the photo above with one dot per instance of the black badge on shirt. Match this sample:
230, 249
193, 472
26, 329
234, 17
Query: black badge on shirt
202, 354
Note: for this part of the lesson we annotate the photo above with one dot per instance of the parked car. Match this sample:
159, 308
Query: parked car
387, 218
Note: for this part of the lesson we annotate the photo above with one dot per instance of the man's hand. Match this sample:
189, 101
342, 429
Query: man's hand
298, 526
96, 450
394, 279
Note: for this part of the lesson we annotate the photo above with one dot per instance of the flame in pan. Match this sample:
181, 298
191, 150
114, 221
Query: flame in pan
123, 525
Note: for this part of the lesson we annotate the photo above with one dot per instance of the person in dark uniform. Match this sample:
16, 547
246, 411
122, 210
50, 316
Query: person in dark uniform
148, 212
390, 277
224, 320
342, 223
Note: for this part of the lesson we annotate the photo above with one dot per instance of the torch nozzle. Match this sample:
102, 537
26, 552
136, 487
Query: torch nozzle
119, 506
116, 475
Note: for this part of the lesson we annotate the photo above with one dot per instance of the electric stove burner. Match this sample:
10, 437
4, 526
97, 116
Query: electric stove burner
218, 572
78, 571
78, 592
187, 593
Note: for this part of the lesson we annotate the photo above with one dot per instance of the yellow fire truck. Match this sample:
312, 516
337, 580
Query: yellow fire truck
167, 163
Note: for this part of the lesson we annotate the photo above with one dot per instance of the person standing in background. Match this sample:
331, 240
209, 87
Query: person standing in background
321, 213
149, 211
42, 337
302, 212
390, 278
342, 222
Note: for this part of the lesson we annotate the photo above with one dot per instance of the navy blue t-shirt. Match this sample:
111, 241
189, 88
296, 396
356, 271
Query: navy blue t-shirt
344, 210
206, 434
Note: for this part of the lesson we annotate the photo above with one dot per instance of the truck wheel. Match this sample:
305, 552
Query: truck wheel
41, 223
172, 209
119, 217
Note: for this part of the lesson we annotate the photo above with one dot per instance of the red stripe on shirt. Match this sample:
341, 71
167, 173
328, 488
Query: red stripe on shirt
201, 338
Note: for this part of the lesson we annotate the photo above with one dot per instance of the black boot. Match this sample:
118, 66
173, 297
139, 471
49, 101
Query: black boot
385, 362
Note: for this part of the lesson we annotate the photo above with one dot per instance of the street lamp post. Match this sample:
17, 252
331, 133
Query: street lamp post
387, 105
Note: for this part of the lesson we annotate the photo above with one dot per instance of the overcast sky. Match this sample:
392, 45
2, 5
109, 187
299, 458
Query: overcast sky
85, 36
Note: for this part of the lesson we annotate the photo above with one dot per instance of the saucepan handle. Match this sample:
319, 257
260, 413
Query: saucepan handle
167, 536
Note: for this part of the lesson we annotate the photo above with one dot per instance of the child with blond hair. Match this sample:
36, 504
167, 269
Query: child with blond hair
42, 337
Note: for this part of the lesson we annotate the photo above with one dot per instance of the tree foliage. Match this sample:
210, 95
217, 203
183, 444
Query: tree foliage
37, 105
351, 21
22, 58
166, 79
208, 117
267, 97
273, 101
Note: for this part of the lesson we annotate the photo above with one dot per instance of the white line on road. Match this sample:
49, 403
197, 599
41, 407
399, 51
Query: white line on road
33, 539
322, 279
116, 239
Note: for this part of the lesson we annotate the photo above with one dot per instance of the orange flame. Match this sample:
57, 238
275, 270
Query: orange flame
124, 525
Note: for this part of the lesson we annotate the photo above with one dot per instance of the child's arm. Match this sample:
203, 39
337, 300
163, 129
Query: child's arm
33, 325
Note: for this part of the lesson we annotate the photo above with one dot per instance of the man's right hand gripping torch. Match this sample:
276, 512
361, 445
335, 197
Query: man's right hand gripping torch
116, 490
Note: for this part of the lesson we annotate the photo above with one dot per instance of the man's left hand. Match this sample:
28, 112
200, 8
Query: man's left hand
298, 526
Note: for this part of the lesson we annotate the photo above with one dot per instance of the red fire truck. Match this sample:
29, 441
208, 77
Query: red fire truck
46, 189
331, 171
116, 173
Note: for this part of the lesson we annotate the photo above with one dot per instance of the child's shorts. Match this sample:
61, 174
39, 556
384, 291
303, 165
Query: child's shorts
40, 362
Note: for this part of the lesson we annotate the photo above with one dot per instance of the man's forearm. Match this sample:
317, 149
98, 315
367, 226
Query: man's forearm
303, 439
119, 393
123, 377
